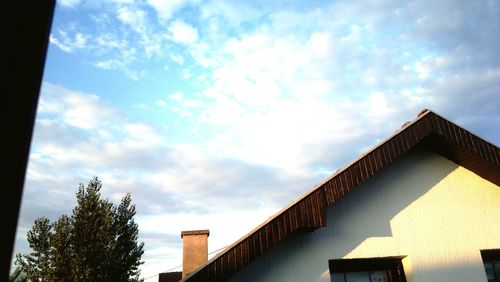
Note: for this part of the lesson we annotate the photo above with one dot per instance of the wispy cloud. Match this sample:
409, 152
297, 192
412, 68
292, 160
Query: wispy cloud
135, 18
166, 8
109, 42
85, 111
325, 78
177, 96
161, 103
69, 3
177, 58
183, 32
69, 44
232, 13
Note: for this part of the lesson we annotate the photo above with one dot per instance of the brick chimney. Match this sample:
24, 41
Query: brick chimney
194, 250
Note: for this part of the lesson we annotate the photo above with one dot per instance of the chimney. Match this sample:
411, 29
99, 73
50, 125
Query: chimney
194, 250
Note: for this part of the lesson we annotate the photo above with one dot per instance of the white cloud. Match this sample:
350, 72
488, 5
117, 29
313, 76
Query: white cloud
283, 135
166, 8
135, 18
139, 22
143, 133
69, 3
274, 96
124, 62
177, 96
422, 69
192, 104
120, 39
231, 13
161, 103
74, 108
177, 58
59, 44
110, 64
109, 41
75, 129
141, 106
321, 44
186, 74
182, 32
68, 44
122, 1
153, 49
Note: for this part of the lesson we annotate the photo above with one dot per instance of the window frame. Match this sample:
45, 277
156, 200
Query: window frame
491, 255
393, 265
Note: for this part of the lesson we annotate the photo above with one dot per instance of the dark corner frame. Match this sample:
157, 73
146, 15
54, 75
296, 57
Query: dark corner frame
490, 254
25, 28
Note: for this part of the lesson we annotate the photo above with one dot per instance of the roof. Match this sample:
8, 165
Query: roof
308, 212
170, 276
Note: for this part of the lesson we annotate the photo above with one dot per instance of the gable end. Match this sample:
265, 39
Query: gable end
308, 212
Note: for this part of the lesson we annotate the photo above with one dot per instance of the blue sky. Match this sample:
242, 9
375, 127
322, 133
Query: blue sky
216, 114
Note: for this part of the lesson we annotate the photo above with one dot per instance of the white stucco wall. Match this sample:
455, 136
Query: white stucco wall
438, 214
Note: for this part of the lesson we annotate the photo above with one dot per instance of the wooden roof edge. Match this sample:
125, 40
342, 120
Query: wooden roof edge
491, 151
469, 131
422, 115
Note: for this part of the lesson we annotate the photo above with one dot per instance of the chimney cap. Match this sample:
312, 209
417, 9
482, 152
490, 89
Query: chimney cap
195, 232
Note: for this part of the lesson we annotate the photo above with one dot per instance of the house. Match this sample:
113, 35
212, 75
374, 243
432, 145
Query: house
422, 205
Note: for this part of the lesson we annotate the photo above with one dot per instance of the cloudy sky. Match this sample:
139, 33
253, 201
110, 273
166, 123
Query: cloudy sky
215, 115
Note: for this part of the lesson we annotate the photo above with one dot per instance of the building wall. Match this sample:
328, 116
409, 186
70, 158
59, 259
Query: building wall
436, 213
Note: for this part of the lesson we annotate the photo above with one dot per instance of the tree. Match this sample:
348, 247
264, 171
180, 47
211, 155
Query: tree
125, 249
98, 242
36, 265
17, 275
61, 251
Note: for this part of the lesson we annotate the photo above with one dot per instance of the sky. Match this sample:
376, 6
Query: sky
217, 114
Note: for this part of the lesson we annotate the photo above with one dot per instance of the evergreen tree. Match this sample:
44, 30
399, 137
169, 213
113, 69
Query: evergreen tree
125, 249
92, 233
37, 264
17, 275
61, 252
97, 243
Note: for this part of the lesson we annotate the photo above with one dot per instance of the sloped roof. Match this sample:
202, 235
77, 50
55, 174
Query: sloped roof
308, 212
170, 276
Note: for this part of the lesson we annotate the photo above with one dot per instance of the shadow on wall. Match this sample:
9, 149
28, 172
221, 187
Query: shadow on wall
362, 217
366, 212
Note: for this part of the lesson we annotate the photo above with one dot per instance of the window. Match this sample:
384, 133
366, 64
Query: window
491, 261
362, 276
385, 269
